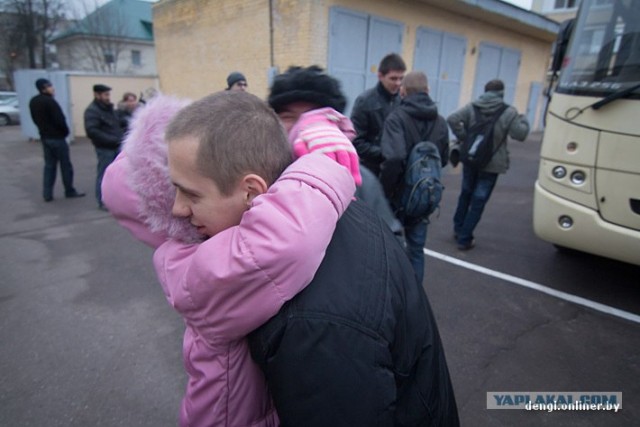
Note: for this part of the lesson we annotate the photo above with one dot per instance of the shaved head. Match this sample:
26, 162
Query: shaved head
415, 82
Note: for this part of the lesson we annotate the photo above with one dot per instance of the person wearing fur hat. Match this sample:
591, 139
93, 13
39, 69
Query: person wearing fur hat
359, 346
310, 103
238, 228
237, 81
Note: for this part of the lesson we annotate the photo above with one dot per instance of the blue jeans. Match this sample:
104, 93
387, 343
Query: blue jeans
56, 150
105, 157
415, 235
476, 190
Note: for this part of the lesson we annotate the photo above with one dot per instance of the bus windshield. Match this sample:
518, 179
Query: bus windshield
603, 56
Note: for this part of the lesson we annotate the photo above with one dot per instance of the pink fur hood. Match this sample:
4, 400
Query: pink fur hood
146, 151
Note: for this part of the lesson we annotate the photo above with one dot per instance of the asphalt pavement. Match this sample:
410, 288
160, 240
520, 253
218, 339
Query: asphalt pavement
87, 336
89, 340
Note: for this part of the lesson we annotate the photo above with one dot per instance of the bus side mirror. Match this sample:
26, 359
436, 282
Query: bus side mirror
560, 45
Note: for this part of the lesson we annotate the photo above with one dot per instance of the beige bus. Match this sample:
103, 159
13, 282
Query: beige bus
587, 195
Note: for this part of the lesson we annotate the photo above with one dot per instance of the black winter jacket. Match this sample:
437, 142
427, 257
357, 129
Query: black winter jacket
368, 115
48, 117
103, 126
398, 139
359, 346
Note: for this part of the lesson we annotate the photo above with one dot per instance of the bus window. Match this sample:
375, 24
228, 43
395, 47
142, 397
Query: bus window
605, 56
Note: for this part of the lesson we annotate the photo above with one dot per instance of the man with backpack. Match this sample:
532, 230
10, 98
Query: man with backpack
481, 128
415, 146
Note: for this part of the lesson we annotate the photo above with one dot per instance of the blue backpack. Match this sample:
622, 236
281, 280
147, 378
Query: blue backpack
423, 187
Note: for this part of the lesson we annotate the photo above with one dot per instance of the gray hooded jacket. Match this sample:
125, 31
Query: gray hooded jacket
510, 124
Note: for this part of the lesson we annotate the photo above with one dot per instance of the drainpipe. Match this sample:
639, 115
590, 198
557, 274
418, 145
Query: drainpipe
271, 55
273, 70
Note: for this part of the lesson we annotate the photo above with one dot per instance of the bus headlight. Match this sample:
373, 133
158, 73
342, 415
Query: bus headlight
565, 222
578, 177
559, 172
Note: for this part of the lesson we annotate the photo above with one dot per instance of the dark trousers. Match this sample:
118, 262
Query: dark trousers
105, 157
56, 151
474, 195
415, 235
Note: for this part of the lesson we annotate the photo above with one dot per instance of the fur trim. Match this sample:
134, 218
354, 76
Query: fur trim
149, 175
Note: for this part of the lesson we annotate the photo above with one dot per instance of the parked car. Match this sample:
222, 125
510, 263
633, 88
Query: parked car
9, 112
6, 96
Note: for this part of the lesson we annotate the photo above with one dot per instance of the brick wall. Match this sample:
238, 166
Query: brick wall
198, 42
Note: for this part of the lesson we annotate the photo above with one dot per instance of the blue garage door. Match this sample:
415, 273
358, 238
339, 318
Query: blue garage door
497, 62
357, 43
440, 56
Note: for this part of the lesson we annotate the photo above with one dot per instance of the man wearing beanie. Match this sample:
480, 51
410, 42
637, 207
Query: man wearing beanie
52, 126
359, 346
106, 130
236, 81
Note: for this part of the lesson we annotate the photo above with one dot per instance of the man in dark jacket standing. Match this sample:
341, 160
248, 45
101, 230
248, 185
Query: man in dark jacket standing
373, 106
415, 119
52, 126
360, 345
106, 130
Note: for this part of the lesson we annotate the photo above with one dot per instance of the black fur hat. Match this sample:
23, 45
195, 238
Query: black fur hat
309, 84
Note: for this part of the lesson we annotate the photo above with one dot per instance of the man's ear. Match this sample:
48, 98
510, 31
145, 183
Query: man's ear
253, 185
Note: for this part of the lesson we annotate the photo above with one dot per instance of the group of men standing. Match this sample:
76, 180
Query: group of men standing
389, 119
104, 125
397, 113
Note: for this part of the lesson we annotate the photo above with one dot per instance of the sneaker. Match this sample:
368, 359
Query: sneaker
74, 195
467, 246
48, 199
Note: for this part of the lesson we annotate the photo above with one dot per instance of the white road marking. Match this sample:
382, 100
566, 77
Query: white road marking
535, 286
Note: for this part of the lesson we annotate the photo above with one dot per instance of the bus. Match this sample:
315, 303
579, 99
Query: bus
587, 193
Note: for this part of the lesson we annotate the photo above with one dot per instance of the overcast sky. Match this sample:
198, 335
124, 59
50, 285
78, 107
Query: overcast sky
525, 4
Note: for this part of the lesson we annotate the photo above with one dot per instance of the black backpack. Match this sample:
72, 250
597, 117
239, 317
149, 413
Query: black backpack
477, 149
422, 189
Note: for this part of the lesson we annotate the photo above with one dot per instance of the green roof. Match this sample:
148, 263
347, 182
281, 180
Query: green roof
131, 19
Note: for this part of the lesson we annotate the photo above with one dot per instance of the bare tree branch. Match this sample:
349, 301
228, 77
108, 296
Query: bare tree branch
36, 20
99, 39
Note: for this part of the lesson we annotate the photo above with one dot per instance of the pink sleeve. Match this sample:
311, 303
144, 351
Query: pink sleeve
124, 204
232, 283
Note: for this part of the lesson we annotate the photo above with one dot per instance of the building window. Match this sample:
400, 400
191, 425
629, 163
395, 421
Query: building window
136, 58
109, 57
566, 4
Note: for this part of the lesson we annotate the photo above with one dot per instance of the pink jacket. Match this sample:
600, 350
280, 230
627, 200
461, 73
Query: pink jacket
230, 284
